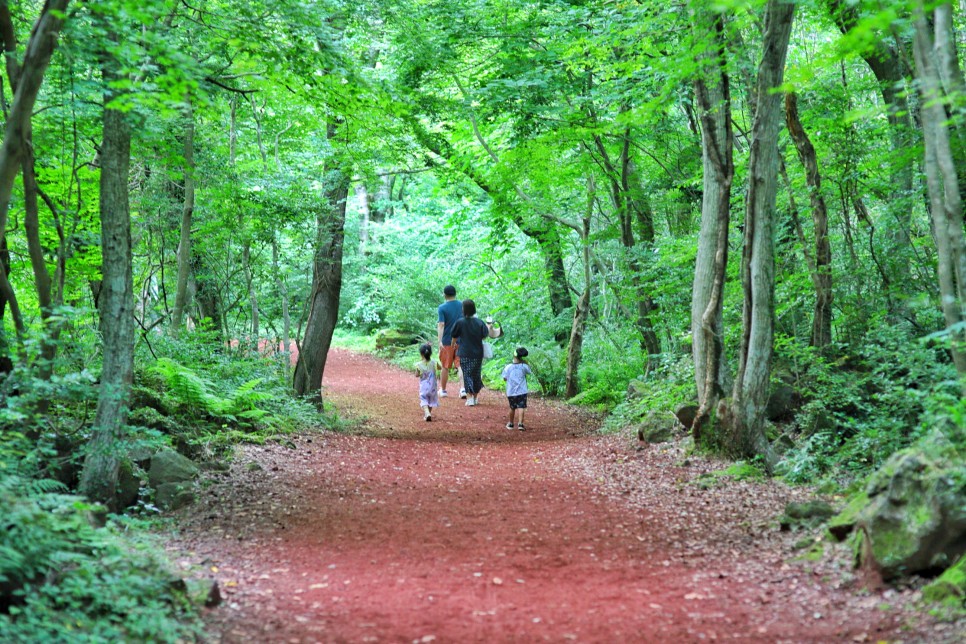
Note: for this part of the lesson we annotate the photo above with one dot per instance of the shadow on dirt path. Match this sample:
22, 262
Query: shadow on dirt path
459, 530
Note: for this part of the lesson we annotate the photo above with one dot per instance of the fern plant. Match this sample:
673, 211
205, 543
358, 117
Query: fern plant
192, 392
63, 579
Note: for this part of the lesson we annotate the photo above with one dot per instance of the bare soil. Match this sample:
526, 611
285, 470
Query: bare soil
458, 530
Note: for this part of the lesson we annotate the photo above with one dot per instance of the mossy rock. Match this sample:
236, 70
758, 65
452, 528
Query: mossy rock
949, 588
128, 484
168, 466
144, 416
686, 415
395, 338
915, 521
842, 524
807, 514
656, 428
743, 471
148, 397
174, 496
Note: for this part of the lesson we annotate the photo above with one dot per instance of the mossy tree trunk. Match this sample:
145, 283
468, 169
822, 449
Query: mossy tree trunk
100, 474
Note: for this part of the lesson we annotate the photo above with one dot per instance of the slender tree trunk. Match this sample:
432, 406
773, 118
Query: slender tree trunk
822, 273
744, 419
233, 129
252, 292
6, 361
187, 212
953, 84
282, 288
100, 474
40, 47
713, 101
582, 308
887, 64
381, 209
323, 302
362, 203
945, 204
624, 203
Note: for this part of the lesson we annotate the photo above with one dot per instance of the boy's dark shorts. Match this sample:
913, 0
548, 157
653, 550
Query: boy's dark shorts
517, 402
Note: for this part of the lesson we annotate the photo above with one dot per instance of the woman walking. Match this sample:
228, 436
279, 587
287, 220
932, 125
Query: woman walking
471, 331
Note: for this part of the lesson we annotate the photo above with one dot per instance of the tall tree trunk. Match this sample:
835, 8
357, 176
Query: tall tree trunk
713, 101
954, 85
207, 294
627, 212
252, 292
744, 419
822, 271
282, 288
40, 47
888, 66
362, 203
381, 207
187, 212
100, 474
323, 305
582, 308
945, 204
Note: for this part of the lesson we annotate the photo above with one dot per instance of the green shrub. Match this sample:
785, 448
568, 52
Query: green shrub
860, 406
62, 579
669, 385
226, 396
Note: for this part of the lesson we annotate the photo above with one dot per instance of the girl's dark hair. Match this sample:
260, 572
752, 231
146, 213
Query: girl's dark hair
426, 350
469, 308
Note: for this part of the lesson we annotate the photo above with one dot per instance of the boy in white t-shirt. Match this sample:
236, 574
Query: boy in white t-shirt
515, 375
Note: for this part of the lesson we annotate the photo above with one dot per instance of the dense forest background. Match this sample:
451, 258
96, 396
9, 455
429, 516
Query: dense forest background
754, 208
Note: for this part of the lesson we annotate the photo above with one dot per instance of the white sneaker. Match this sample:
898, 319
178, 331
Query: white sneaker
462, 393
471, 402
442, 393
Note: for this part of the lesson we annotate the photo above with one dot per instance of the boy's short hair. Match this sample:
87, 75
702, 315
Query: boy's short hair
449, 290
521, 352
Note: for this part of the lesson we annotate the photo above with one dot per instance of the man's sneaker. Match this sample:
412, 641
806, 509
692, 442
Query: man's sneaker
521, 427
442, 393
462, 393
509, 425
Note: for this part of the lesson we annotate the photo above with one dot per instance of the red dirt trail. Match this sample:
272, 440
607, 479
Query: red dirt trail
459, 530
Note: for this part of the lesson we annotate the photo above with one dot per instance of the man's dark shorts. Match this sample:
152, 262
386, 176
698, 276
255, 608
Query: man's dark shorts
517, 402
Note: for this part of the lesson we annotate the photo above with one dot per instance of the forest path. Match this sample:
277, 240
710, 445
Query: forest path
459, 530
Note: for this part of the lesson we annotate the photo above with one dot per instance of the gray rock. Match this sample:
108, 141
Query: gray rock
686, 415
916, 517
168, 466
174, 496
781, 403
656, 428
805, 515
128, 485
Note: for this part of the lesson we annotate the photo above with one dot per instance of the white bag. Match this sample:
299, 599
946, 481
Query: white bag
487, 351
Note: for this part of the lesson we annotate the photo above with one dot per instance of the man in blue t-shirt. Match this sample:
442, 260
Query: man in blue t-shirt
449, 312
